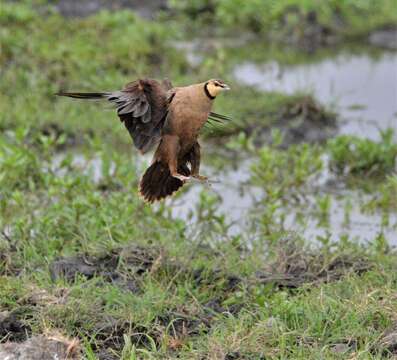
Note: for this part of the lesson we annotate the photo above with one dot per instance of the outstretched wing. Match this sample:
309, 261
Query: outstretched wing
142, 106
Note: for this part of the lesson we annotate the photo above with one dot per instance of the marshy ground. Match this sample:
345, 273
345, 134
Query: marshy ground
289, 255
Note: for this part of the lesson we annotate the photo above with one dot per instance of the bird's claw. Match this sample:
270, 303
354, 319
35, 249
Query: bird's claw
182, 178
198, 178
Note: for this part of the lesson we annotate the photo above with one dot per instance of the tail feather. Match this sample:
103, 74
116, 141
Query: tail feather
157, 182
78, 95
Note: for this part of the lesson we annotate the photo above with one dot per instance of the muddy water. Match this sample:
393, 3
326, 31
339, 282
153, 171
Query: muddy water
229, 186
360, 226
242, 204
363, 90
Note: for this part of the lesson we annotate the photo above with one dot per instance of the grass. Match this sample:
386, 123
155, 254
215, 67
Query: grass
307, 24
289, 169
387, 195
83, 256
163, 289
102, 52
291, 178
363, 157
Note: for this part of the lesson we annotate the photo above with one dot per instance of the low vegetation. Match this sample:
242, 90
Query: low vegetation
350, 155
81, 255
99, 53
306, 24
291, 178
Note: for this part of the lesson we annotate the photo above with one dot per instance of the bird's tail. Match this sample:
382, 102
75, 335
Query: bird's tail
87, 96
157, 182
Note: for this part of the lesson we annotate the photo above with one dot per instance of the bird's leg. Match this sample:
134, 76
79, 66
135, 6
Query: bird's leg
195, 158
173, 165
171, 148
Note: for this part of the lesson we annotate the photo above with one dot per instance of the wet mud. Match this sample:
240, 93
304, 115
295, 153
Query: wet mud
387, 344
290, 267
12, 326
294, 267
299, 122
121, 267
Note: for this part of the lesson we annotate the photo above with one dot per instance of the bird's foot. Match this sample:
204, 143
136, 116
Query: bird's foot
204, 180
183, 178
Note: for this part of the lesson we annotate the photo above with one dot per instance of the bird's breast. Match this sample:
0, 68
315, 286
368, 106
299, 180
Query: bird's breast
188, 115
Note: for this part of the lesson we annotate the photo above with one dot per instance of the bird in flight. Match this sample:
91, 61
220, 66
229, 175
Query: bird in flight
158, 114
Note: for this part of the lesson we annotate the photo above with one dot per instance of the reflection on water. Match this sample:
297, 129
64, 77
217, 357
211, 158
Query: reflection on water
241, 203
353, 223
363, 89
236, 198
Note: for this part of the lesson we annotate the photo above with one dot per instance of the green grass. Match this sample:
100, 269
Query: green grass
289, 178
387, 195
102, 52
200, 294
158, 287
292, 21
350, 155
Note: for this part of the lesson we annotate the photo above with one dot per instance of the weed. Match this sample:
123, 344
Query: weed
350, 155
305, 24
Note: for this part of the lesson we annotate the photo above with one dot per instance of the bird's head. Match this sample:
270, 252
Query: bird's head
214, 86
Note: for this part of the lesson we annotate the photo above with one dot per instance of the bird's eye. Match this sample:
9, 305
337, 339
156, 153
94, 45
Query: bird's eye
216, 84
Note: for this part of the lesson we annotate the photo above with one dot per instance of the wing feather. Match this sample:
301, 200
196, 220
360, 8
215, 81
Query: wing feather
142, 106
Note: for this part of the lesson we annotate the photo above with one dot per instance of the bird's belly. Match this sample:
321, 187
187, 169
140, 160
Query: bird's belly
191, 124
188, 136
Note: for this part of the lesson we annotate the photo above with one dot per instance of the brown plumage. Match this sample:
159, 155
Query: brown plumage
155, 113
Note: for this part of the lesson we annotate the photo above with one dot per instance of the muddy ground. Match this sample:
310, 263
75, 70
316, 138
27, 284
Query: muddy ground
298, 122
291, 268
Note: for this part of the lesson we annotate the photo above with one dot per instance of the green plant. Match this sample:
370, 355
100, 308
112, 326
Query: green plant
351, 155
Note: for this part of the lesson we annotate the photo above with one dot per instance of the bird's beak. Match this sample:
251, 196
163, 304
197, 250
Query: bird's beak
226, 87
